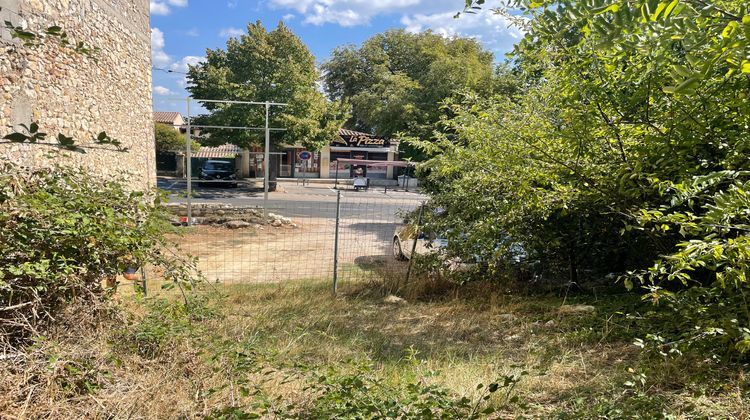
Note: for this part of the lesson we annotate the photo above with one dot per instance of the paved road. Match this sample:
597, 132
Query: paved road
310, 201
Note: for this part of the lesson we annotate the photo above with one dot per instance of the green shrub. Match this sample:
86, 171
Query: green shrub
356, 391
170, 140
62, 232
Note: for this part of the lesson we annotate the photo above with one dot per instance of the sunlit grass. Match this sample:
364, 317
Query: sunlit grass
454, 337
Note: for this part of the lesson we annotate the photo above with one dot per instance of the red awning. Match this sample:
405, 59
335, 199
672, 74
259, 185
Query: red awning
375, 163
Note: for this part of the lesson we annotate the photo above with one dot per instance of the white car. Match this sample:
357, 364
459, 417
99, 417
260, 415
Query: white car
403, 243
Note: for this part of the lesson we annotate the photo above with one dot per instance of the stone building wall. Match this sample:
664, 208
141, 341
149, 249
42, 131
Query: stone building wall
77, 95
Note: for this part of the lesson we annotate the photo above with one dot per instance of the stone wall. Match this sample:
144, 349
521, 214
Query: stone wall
77, 95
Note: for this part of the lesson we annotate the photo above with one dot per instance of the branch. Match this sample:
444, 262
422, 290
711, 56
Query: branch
615, 130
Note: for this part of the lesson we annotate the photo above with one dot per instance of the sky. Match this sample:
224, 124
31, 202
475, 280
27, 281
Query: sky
181, 30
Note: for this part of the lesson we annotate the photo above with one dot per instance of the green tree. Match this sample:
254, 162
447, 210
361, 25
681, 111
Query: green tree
261, 66
170, 140
397, 81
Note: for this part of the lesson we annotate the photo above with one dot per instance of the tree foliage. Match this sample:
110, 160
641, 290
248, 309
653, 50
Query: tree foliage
264, 66
170, 140
396, 81
627, 145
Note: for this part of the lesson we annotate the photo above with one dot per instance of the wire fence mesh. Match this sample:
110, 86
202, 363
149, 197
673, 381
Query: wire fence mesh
236, 242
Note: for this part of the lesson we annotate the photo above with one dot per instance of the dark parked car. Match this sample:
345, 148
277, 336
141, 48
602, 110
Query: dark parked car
218, 170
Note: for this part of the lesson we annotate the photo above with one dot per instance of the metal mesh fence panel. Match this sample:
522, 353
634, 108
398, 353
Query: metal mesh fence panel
237, 242
367, 227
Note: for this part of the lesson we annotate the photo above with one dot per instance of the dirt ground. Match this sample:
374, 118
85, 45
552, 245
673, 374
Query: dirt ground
269, 254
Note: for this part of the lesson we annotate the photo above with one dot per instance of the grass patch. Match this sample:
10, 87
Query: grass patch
295, 350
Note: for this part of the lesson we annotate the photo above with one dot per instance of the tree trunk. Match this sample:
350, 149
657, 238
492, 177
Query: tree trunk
273, 169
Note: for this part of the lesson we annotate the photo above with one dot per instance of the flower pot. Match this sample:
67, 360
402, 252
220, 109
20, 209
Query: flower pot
131, 273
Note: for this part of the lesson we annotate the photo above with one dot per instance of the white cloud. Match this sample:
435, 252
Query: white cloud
416, 15
158, 8
192, 32
287, 17
231, 32
359, 12
232, 4
494, 31
184, 62
161, 90
158, 57
162, 7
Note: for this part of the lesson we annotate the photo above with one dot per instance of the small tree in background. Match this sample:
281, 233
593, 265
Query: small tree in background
170, 140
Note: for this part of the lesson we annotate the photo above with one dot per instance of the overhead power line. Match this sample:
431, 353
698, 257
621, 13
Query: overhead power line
168, 70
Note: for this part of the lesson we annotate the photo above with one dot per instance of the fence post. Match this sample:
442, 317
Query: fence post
189, 159
336, 242
267, 163
414, 244
143, 281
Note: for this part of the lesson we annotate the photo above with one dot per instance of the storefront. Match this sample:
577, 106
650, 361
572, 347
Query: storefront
300, 163
297, 162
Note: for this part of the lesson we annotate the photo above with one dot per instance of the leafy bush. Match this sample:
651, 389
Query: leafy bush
702, 284
64, 231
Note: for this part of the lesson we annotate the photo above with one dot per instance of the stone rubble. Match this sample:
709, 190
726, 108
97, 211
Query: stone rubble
227, 215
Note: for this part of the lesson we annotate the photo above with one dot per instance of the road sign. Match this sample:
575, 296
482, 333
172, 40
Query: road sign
304, 155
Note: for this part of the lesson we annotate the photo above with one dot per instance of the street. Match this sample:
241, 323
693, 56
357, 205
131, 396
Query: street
312, 200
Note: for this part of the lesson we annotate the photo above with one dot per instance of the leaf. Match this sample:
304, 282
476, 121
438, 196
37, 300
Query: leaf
687, 85
683, 71
16, 137
65, 140
658, 11
604, 9
54, 30
729, 29
670, 8
745, 66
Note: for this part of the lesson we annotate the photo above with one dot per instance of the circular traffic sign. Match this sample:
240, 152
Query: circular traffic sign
304, 155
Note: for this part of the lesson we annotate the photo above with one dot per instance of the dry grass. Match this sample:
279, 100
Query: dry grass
577, 363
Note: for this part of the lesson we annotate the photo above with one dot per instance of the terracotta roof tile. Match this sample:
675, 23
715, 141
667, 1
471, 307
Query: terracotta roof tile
345, 132
166, 117
225, 150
